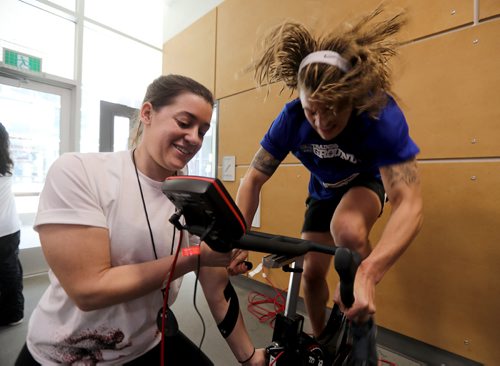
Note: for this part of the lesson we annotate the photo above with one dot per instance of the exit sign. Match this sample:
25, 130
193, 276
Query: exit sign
22, 61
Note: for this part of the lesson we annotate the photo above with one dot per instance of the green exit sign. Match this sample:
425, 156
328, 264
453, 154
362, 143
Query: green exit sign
22, 61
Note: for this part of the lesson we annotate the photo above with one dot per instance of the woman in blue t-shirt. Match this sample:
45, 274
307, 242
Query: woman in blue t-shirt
348, 131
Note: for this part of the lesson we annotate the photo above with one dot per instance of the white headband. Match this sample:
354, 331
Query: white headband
326, 57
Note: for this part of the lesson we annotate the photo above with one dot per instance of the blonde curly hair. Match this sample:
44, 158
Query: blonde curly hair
366, 46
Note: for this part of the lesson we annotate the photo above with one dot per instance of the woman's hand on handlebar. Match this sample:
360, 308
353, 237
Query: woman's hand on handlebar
238, 265
212, 258
364, 298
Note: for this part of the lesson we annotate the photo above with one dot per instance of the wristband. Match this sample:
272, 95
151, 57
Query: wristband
249, 358
194, 250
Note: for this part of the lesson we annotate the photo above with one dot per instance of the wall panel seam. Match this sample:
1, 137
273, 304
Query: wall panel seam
450, 30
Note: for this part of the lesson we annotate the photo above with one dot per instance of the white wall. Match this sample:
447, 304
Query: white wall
180, 14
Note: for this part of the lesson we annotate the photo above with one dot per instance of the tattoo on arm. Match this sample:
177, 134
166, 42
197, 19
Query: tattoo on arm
265, 162
406, 173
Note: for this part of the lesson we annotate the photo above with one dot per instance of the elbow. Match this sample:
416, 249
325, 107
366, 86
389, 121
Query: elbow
85, 303
86, 306
254, 179
86, 300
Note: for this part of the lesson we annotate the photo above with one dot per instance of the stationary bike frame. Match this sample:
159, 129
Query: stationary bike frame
290, 345
211, 214
289, 339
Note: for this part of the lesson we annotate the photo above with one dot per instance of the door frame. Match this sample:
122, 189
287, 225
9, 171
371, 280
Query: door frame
106, 122
32, 258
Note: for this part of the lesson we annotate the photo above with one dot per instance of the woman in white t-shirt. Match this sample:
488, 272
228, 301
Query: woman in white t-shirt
104, 227
11, 271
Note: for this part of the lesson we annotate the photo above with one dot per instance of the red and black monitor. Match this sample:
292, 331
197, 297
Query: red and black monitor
208, 209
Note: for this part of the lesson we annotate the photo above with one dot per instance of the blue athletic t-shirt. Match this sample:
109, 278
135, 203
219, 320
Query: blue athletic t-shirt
365, 145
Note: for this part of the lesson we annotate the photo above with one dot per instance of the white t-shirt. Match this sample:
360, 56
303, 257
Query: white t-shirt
9, 221
101, 189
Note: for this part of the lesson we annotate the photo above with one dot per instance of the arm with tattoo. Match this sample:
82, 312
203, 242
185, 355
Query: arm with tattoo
265, 162
405, 173
262, 168
402, 185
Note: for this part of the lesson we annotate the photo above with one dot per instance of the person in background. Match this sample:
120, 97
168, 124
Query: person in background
11, 271
104, 227
348, 131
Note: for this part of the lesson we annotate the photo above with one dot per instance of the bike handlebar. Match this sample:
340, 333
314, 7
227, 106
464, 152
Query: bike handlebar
279, 244
346, 262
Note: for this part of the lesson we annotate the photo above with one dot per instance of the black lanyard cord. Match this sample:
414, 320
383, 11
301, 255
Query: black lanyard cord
144, 206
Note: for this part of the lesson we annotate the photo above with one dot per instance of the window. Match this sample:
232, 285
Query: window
28, 29
120, 56
204, 162
33, 115
119, 74
142, 20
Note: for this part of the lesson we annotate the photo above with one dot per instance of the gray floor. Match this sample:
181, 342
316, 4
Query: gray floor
12, 338
412, 352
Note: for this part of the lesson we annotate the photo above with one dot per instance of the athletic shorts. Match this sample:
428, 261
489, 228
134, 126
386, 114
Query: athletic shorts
319, 213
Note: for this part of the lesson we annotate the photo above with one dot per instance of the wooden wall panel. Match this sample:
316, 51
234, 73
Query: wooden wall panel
245, 118
446, 287
432, 17
192, 52
283, 202
425, 17
488, 8
241, 24
449, 86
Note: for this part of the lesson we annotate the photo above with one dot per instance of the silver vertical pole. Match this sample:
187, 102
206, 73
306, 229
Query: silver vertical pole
293, 288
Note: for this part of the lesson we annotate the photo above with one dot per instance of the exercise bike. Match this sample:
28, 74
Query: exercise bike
210, 213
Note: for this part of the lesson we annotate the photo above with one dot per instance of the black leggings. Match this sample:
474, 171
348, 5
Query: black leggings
179, 350
11, 280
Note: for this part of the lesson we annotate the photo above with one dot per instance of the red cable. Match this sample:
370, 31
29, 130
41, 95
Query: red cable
381, 361
165, 298
276, 359
256, 300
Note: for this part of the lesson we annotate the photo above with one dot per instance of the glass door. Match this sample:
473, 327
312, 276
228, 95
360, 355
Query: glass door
116, 125
36, 117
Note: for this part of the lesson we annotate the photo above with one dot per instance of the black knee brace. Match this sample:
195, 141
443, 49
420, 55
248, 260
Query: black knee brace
227, 324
